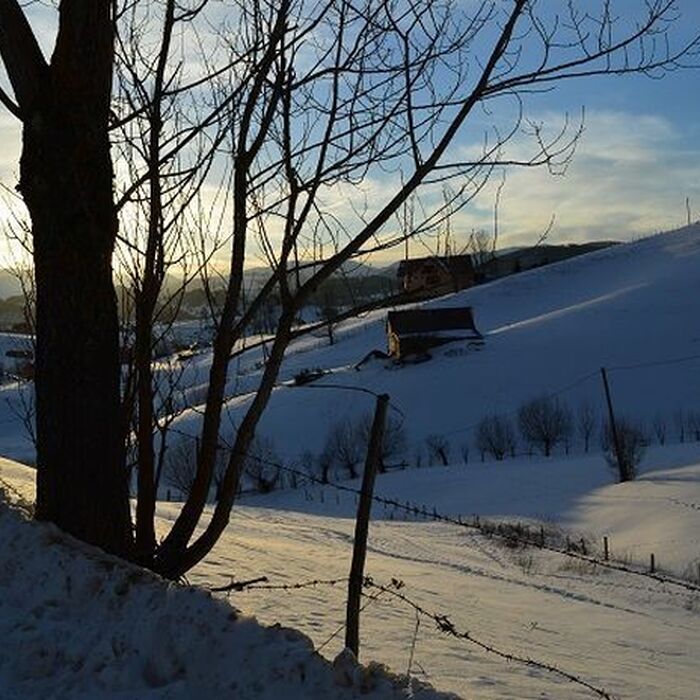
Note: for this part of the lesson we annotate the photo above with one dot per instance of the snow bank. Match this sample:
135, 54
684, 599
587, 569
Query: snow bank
76, 623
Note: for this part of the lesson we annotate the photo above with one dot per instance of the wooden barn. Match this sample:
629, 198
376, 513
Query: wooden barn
413, 332
436, 275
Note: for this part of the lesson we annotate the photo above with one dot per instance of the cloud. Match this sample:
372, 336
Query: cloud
630, 176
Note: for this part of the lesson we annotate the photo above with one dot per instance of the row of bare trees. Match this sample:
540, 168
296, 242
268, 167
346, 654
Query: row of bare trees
198, 137
544, 424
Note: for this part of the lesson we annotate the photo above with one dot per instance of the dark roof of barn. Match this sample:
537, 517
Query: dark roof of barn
453, 265
432, 320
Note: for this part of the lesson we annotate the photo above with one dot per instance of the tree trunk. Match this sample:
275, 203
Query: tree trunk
66, 182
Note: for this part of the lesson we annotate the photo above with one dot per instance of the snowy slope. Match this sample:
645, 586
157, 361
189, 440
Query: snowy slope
76, 624
636, 638
545, 330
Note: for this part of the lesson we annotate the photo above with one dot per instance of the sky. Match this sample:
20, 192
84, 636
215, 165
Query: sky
636, 164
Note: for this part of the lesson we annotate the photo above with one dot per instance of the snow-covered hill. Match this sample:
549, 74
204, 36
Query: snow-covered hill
634, 309
546, 331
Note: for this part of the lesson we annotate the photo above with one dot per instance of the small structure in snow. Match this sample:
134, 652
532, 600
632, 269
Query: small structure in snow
16, 354
415, 331
372, 356
436, 275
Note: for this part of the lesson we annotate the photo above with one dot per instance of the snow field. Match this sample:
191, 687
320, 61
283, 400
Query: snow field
634, 309
78, 624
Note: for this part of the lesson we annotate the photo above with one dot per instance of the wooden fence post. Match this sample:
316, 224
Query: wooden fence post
606, 547
359, 552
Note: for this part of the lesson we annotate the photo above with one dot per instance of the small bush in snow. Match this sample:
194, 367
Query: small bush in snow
693, 424
261, 465
393, 445
343, 450
659, 427
495, 436
438, 448
181, 466
632, 445
544, 423
586, 421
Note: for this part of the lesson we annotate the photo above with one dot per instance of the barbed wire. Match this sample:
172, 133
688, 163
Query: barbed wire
549, 394
345, 387
261, 584
445, 625
495, 530
443, 622
501, 531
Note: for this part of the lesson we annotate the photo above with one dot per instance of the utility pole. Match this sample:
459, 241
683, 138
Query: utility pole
613, 427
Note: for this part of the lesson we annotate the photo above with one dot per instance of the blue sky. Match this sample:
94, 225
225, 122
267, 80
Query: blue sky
637, 162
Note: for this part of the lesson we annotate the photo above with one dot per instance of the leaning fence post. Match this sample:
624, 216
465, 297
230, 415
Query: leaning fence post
359, 552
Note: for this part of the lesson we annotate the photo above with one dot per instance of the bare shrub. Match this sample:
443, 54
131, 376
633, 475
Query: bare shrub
680, 424
692, 419
181, 466
344, 449
393, 451
544, 423
262, 464
586, 421
495, 436
659, 427
324, 464
438, 448
632, 447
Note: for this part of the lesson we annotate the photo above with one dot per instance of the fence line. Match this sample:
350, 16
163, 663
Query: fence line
445, 625
442, 622
495, 530
501, 531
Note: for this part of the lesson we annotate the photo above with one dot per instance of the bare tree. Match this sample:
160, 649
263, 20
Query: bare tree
693, 423
544, 423
495, 436
680, 422
438, 447
393, 449
290, 108
481, 247
324, 464
346, 448
660, 428
263, 464
586, 422
181, 466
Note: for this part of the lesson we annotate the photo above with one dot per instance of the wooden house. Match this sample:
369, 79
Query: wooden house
414, 331
436, 275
